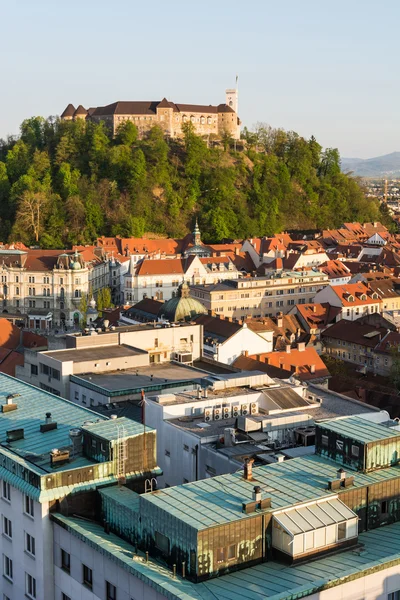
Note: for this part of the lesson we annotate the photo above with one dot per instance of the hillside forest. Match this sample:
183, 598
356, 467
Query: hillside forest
68, 182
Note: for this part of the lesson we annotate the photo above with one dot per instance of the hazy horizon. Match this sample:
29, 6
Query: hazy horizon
305, 67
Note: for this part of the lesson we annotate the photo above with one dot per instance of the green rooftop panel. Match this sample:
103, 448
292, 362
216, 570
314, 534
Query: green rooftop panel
112, 428
360, 429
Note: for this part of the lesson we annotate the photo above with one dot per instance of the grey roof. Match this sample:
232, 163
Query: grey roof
94, 353
360, 429
286, 398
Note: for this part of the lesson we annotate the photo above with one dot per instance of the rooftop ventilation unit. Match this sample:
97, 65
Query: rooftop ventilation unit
244, 409
236, 410
208, 414
254, 408
15, 434
217, 414
58, 457
48, 424
226, 412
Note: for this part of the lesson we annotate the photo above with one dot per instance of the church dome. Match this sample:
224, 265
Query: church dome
183, 307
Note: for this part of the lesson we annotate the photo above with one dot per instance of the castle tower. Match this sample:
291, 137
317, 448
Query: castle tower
232, 99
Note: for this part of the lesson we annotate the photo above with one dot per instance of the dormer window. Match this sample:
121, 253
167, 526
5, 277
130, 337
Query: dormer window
363, 297
350, 298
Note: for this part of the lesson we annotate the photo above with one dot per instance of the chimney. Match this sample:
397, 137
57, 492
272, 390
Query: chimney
341, 474
229, 437
245, 353
237, 251
248, 469
48, 418
205, 393
301, 346
279, 319
312, 368
198, 393
257, 493
287, 348
314, 308
48, 424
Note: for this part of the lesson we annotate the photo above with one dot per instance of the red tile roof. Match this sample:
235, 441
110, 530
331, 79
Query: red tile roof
351, 294
318, 316
301, 362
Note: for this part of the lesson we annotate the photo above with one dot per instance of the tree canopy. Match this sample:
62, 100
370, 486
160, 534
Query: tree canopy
68, 182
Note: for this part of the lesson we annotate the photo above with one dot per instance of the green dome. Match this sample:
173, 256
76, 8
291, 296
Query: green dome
182, 307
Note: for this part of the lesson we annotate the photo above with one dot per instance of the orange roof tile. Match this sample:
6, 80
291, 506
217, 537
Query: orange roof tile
301, 362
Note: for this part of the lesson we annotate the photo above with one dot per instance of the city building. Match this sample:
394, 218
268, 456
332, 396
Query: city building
320, 526
159, 278
225, 340
261, 296
47, 285
117, 356
302, 363
13, 342
51, 451
354, 299
207, 120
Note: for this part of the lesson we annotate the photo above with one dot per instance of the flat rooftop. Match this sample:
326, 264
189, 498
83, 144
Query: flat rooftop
33, 404
138, 327
218, 500
270, 580
133, 380
361, 430
94, 353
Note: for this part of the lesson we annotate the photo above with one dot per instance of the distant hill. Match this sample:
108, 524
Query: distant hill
380, 166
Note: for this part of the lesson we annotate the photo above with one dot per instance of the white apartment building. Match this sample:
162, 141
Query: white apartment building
47, 285
160, 278
53, 449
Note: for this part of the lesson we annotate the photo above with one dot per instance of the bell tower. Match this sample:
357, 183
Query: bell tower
231, 99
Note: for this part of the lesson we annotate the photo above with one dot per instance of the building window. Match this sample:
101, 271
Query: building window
65, 561
162, 542
30, 544
394, 595
384, 507
83, 399
220, 555
6, 491
324, 441
34, 370
7, 527
355, 451
7, 567
231, 554
186, 447
167, 453
65, 597
29, 507
339, 445
341, 531
111, 591
30, 586
87, 576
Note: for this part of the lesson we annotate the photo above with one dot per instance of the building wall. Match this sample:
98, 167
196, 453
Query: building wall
128, 586
260, 297
39, 527
243, 340
376, 586
166, 340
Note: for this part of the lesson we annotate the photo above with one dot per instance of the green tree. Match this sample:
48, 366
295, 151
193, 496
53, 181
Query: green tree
103, 299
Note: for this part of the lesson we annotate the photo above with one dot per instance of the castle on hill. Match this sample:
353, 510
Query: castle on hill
207, 120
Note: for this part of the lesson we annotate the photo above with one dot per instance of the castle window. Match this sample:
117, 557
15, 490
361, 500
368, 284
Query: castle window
192, 119
209, 120
202, 120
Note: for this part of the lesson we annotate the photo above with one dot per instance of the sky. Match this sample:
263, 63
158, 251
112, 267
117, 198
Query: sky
328, 69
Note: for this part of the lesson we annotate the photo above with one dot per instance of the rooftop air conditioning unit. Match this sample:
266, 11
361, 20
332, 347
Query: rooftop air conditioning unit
217, 414
208, 414
236, 410
245, 409
254, 408
226, 412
